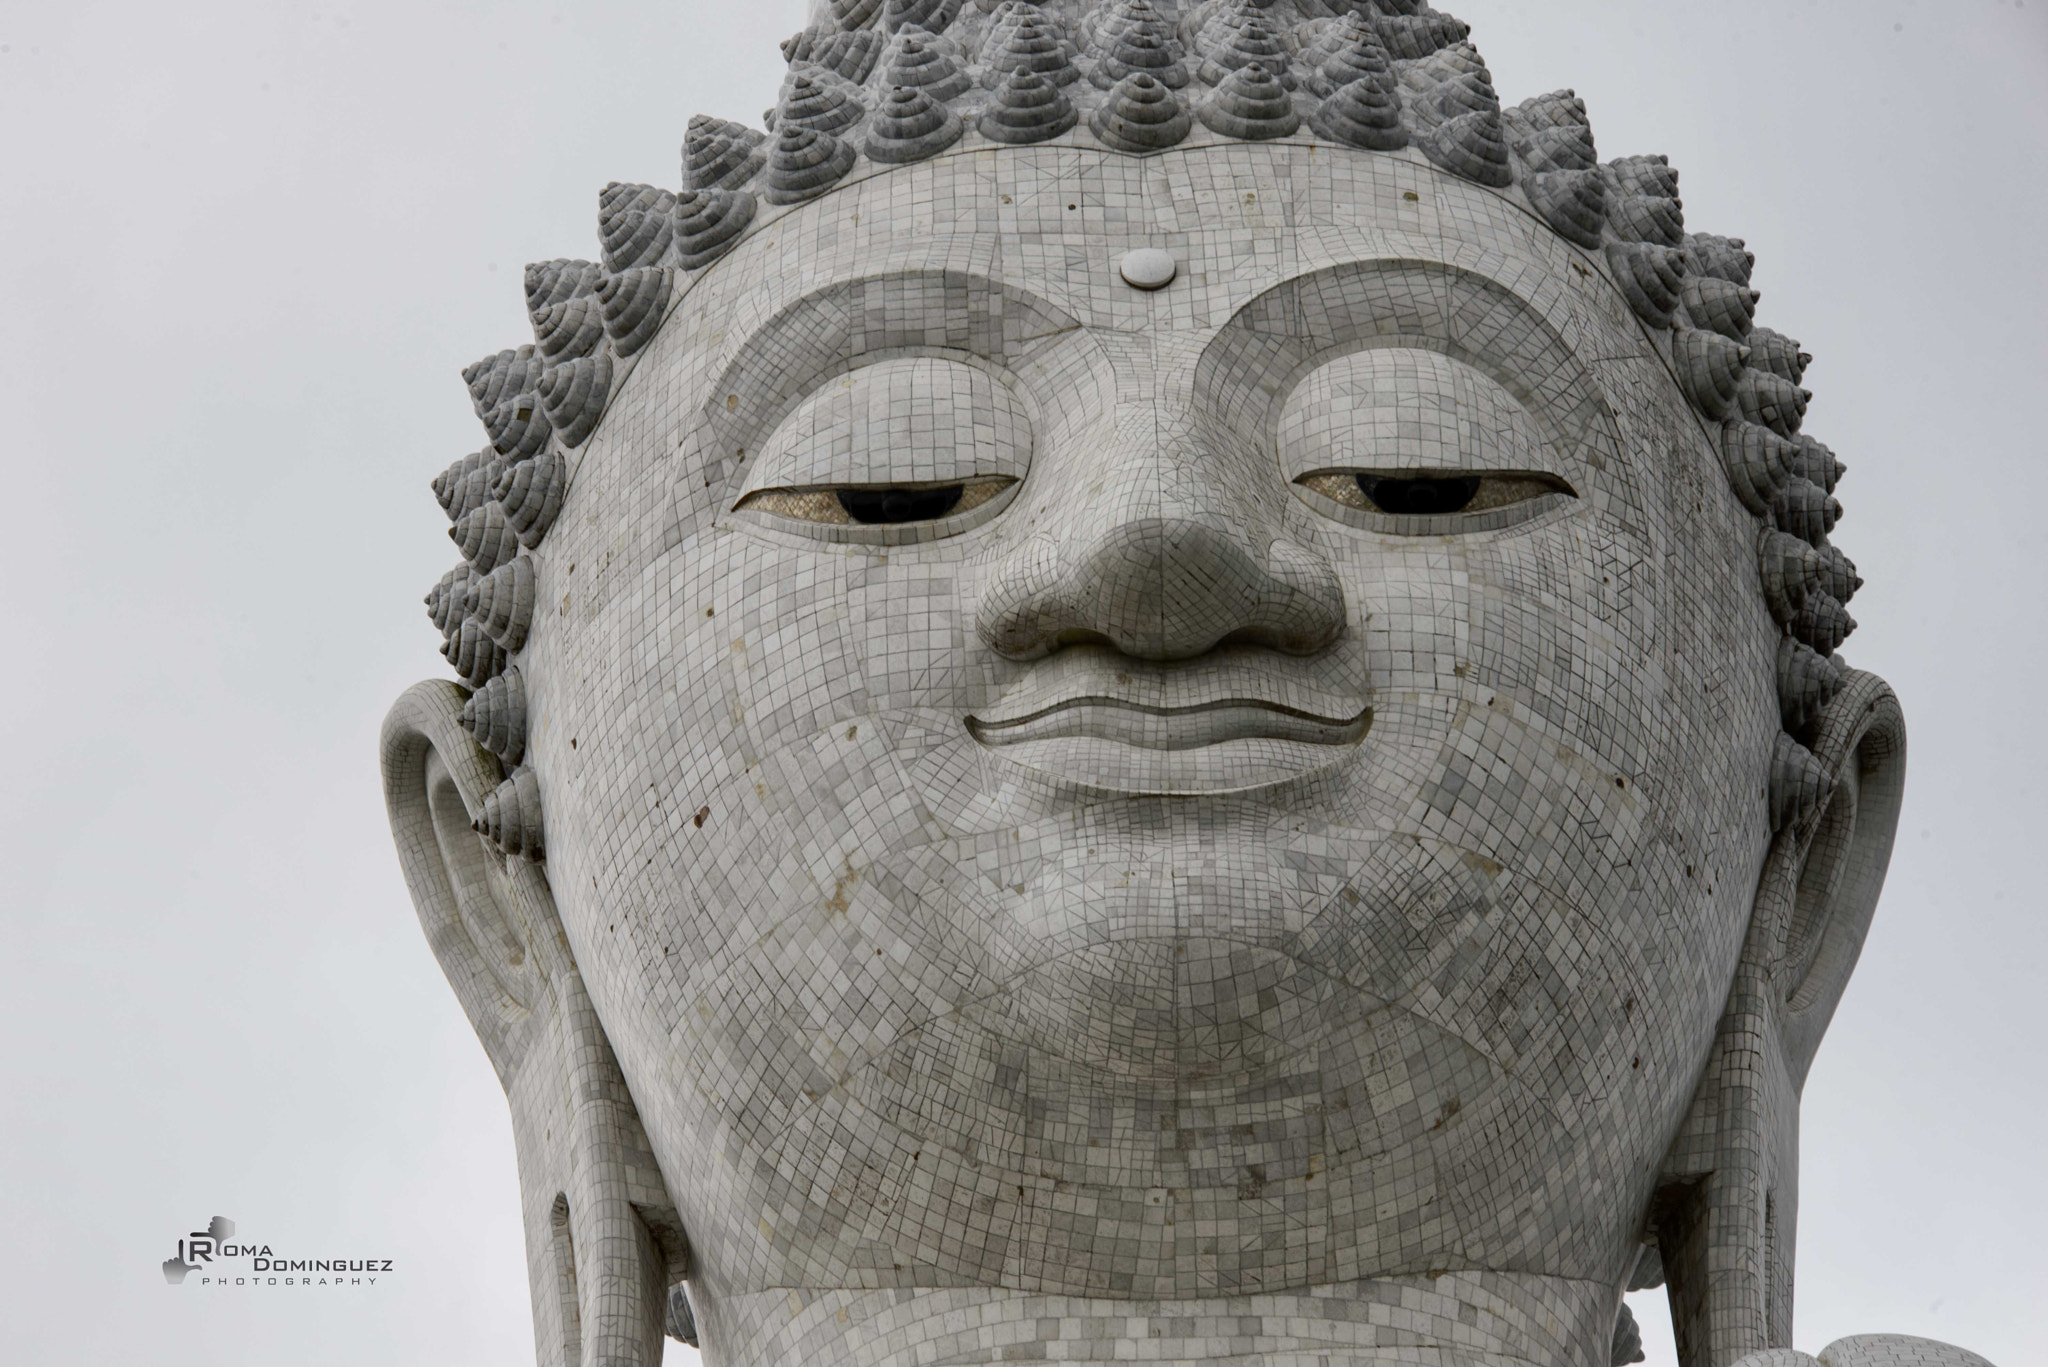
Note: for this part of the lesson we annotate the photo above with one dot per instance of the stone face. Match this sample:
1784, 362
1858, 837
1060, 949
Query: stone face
1156, 668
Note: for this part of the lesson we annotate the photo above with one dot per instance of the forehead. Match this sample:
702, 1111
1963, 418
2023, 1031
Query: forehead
1052, 222
1285, 253
1238, 217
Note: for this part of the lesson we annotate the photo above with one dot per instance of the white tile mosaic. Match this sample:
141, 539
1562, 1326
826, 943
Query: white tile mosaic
1264, 811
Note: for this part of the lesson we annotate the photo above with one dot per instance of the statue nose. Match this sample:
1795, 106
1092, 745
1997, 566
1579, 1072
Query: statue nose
1163, 577
1164, 589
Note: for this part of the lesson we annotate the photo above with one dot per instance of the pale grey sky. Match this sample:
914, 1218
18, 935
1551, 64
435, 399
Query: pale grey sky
247, 247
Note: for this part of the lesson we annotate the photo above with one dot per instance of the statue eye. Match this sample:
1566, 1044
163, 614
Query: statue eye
1449, 501
901, 505
902, 451
1418, 497
876, 505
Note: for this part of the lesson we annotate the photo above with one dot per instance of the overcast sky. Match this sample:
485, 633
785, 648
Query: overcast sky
248, 246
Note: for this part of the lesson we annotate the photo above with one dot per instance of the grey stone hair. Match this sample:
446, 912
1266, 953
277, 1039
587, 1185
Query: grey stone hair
875, 84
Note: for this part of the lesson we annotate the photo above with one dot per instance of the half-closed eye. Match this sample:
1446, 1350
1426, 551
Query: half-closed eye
876, 504
1438, 495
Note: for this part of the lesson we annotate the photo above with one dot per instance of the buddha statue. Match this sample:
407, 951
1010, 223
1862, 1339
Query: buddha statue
1152, 684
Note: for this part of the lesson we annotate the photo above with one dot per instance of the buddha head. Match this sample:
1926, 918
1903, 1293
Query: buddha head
1153, 675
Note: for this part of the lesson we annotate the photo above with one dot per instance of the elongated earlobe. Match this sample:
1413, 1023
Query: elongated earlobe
1725, 1218
605, 1245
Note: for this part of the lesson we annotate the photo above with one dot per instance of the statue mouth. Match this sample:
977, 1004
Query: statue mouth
1171, 728
1236, 718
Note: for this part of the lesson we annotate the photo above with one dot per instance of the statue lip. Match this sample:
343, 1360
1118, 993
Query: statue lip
1089, 718
1150, 727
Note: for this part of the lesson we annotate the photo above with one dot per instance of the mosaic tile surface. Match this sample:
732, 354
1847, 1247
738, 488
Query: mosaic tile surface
1304, 813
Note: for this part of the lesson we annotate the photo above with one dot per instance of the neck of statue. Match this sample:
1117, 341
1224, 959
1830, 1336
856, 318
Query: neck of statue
1472, 1319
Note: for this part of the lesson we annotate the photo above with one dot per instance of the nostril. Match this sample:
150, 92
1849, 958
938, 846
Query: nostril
1018, 615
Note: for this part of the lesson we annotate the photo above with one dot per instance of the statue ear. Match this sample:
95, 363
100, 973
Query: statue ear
463, 887
1726, 1212
1827, 881
606, 1251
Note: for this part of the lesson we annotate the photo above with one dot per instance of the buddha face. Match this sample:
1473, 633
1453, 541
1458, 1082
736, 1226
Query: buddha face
1232, 787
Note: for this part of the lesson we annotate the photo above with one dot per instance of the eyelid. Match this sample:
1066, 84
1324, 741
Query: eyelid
896, 422
1499, 491
819, 503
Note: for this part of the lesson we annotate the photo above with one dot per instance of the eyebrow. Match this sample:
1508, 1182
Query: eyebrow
1276, 339
904, 304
